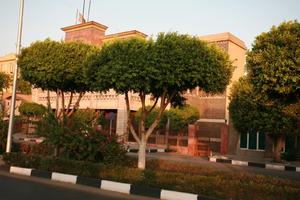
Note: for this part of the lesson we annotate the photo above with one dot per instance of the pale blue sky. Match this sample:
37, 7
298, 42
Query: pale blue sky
243, 18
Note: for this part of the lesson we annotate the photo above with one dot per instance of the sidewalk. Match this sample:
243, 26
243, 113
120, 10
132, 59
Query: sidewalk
225, 166
258, 160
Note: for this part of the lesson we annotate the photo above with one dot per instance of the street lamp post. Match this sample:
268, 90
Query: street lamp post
13, 99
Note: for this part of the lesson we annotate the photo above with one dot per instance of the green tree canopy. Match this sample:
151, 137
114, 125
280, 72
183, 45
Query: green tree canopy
251, 111
57, 66
52, 65
32, 109
163, 69
254, 112
274, 62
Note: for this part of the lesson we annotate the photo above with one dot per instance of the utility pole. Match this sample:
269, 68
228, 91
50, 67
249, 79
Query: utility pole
13, 99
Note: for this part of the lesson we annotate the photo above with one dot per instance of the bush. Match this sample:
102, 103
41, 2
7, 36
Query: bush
78, 140
41, 149
171, 176
3, 134
32, 109
179, 117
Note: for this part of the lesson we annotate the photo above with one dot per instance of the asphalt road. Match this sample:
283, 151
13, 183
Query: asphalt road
14, 187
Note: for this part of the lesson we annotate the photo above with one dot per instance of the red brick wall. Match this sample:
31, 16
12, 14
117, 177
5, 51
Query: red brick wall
88, 35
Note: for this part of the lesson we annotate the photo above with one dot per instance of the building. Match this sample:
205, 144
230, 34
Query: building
213, 130
7, 64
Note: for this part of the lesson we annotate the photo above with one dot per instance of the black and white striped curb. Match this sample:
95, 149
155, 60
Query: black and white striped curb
148, 150
110, 185
255, 164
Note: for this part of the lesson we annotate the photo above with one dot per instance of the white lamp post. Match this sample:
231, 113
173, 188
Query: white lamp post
13, 99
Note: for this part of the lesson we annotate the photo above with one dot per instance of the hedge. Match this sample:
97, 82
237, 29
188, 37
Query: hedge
170, 175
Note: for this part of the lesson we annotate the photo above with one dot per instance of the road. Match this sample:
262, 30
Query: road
14, 187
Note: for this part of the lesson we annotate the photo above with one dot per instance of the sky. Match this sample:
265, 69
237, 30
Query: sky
244, 18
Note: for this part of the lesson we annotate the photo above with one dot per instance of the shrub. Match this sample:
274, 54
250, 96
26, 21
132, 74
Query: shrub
78, 140
22, 160
167, 175
32, 109
3, 134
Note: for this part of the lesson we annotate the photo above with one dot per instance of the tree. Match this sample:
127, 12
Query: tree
163, 69
59, 67
5, 80
274, 62
254, 112
274, 66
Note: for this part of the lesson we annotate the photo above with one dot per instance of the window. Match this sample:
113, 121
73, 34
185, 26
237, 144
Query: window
252, 141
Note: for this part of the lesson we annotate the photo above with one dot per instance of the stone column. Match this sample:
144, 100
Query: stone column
224, 139
192, 140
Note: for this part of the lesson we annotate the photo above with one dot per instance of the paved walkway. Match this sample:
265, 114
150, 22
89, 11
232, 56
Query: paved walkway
260, 160
203, 162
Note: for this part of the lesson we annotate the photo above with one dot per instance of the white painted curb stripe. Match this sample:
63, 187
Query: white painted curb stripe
172, 195
160, 150
115, 186
297, 169
240, 163
212, 159
20, 170
276, 167
64, 177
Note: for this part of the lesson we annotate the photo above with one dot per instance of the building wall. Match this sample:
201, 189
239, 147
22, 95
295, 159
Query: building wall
213, 109
7, 64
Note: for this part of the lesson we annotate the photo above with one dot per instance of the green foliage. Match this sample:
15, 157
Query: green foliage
32, 109
23, 86
174, 63
150, 119
180, 118
5, 80
52, 65
50, 128
251, 111
171, 176
78, 140
3, 133
274, 62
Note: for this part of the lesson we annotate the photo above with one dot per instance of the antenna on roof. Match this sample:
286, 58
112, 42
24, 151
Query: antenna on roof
76, 21
89, 10
83, 8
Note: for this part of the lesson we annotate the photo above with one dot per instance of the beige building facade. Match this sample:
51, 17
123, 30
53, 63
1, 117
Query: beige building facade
7, 64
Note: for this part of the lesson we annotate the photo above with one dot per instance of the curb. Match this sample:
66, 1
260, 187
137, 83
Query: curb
255, 164
109, 185
148, 150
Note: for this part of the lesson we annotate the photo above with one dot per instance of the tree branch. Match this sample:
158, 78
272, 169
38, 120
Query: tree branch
70, 102
129, 125
153, 106
76, 105
48, 100
163, 105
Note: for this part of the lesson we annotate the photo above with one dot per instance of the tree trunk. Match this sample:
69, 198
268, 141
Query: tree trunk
142, 154
48, 100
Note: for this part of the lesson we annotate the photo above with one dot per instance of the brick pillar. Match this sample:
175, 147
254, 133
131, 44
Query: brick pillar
192, 140
224, 139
